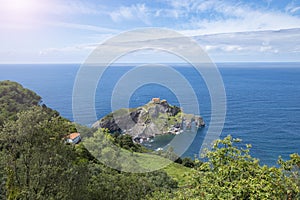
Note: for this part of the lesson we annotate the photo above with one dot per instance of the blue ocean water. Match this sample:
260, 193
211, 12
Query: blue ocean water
263, 100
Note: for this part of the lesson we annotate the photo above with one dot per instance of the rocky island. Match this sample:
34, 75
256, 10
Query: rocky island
157, 117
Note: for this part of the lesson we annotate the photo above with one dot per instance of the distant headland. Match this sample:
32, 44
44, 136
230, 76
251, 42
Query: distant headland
157, 117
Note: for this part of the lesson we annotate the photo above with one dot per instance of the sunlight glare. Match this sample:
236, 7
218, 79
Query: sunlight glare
21, 6
20, 13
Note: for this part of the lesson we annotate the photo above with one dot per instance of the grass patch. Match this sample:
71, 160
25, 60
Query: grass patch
183, 175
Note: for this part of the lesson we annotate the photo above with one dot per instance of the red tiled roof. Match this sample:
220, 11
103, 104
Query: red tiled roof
72, 136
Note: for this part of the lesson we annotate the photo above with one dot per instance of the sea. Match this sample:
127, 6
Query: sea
262, 100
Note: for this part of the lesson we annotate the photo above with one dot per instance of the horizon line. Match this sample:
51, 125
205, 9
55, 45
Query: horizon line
129, 63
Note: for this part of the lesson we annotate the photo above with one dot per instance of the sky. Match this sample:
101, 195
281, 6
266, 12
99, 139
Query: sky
67, 31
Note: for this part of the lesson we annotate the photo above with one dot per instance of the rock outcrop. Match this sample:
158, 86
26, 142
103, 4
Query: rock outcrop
155, 118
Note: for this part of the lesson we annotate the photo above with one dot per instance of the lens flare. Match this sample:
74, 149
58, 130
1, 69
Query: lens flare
19, 10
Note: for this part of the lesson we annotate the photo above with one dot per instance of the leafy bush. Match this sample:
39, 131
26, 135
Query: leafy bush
231, 173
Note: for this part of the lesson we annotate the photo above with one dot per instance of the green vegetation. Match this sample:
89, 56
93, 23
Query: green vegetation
125, 142
107, 149
35, 163
183, 175
231, 173
14, 98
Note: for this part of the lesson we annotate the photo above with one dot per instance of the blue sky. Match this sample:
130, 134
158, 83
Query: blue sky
66, 31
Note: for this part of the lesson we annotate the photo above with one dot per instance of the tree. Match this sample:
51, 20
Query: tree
38, 163
231, 173
106, 183
188, 162
14, 98
35, 163
125, 141
292, 169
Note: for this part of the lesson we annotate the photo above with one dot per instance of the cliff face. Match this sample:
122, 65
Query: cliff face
154, 118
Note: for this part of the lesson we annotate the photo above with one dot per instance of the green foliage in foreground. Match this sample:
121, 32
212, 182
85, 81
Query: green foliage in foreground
231, 173
35, 163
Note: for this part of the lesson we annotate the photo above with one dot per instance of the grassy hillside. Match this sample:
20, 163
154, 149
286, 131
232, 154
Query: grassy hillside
183, 175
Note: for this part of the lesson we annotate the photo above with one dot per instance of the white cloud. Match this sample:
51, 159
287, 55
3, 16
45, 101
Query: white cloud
294, 10
123, 12
206, 5
269, 42
221, 27
133, 12
247, 44
215, 16
230, 48
83, 27
68, 49
172, 14
75, 7
224, 48
293, 7
255, 21
268, 49
210, 47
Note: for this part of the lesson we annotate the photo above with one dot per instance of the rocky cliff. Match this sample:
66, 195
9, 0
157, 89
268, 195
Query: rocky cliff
155, 118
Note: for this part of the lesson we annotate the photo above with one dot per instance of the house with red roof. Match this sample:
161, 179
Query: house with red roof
73, 138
